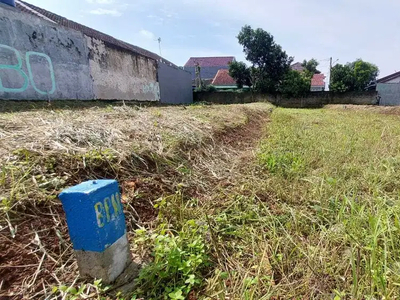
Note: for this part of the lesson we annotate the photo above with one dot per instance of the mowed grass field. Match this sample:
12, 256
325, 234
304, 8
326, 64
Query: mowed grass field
333, 229
222, 202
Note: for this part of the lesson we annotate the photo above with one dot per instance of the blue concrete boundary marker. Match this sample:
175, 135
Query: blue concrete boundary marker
95, 214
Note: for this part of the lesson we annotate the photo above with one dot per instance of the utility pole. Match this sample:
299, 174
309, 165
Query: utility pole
159, 44
330, 72
198, 81
330, 69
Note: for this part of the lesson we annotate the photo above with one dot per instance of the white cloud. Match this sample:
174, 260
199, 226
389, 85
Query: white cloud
147, 34
343, 29
157, 19
110, 12
100, 1
313, 28
169, 12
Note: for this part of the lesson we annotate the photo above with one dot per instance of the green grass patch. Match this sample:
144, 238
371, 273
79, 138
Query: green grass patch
331, 225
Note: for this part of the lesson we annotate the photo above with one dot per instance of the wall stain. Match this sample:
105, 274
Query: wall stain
68, 45
32, 41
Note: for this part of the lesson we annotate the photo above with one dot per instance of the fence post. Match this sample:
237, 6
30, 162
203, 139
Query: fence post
96, 225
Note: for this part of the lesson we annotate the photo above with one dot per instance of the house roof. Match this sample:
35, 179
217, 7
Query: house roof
210, 61
297, 67
49, 16
318, 80
223, 78
388, 78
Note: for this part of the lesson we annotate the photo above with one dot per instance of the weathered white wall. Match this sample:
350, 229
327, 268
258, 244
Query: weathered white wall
40, 60
317, 88
122, 75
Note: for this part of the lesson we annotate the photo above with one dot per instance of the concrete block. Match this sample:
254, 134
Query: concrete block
96, 224
107, 265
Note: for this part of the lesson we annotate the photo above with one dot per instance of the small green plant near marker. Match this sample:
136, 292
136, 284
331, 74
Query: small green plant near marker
84, 291
179, 261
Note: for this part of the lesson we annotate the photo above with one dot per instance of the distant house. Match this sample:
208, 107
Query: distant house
388, 89
223, 80
209, 66
318, 83
297, 67
392, 78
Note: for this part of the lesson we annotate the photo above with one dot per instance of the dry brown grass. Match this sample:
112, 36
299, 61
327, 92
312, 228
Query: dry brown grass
123, 128
387, 110
151, 151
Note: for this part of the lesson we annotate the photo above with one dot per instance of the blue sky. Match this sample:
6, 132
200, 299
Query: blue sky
345, 30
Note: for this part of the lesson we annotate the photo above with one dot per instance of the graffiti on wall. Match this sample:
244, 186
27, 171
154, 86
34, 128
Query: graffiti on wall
28, 79
151, 88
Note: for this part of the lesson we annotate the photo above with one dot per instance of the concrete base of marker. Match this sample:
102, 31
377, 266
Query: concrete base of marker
107, 265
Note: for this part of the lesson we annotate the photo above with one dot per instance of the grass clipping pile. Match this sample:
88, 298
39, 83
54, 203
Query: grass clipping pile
153, 152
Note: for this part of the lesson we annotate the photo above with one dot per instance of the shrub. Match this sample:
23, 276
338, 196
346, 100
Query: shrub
179, 259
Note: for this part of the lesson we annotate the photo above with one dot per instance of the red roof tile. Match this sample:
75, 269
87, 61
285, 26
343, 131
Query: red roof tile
210, 61
223, 78
318, 80
40, 12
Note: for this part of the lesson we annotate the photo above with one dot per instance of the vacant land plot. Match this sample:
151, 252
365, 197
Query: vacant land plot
155, 153
222, 202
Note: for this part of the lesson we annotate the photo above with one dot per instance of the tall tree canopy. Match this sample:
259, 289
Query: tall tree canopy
311, 66
342, 79
270, 62
364, 73
353, 76
270, 68
296, 84
241, 73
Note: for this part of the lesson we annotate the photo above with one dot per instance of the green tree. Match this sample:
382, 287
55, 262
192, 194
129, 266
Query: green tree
311, 66
296, 84
342, 78
241, 73
270, 62
364, 73
353, 76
